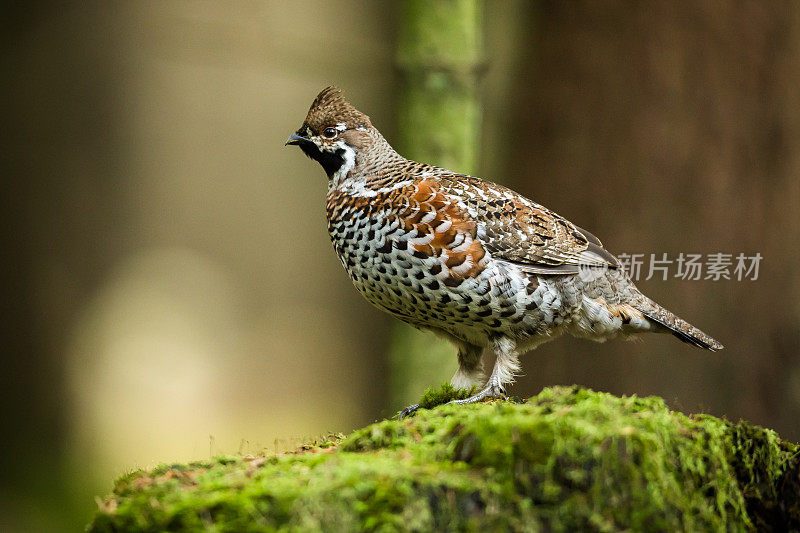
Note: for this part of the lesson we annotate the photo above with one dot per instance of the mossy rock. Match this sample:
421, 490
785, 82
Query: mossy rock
567, 459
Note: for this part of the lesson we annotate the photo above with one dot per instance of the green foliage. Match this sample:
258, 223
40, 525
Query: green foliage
445, 393
567, 459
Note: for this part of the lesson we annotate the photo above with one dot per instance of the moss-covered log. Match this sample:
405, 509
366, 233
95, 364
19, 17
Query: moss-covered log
568, 459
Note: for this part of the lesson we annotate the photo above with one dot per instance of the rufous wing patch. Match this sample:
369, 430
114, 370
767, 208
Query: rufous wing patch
525, 233
442, 230
433, 225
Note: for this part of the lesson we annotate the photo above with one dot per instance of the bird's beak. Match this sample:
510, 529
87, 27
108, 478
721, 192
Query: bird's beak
295, 139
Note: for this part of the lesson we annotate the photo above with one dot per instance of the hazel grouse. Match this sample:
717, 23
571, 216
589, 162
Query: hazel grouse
472, 261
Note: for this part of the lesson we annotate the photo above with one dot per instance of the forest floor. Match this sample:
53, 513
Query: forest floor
566, 459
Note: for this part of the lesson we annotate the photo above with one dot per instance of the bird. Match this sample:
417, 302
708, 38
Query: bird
469, 260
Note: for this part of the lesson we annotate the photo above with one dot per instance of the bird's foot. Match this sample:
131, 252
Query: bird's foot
490, 392
410, 410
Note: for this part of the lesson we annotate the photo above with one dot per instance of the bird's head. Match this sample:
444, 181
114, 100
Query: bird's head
333, 133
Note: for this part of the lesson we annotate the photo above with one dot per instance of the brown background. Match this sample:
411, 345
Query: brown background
170, 291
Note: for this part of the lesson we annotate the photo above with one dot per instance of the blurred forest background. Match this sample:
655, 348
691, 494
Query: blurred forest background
169, 288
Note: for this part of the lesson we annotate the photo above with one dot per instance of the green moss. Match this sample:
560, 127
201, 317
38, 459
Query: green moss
565, 460
445, 393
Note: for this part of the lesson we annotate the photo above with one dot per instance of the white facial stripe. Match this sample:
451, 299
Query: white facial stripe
349, 157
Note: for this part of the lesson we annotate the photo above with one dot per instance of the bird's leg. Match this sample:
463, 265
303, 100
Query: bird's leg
469, 373
470, 367
506, 365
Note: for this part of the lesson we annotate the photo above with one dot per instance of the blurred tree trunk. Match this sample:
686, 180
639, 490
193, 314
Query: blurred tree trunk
440, 52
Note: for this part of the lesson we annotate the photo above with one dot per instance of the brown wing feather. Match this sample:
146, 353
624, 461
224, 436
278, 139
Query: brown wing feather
523, 232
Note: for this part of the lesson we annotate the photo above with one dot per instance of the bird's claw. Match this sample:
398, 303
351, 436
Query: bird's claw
489, 393
410, 410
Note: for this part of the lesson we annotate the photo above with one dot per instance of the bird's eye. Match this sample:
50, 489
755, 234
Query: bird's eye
329, 133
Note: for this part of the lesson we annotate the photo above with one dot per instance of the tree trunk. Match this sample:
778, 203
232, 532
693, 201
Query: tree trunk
440, 52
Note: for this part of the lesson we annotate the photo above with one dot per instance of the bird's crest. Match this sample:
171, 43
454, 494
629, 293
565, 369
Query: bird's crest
330, 108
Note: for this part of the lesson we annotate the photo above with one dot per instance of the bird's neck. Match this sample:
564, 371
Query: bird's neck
370, 165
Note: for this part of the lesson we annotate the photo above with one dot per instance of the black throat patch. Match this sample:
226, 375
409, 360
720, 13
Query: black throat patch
331, 161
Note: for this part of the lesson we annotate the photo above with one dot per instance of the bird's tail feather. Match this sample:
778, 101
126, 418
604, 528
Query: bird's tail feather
677, 326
